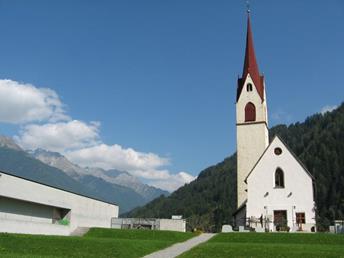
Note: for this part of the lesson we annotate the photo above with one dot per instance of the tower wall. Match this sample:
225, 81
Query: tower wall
252, 137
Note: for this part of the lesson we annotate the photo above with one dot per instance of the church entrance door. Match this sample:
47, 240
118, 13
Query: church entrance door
280, 220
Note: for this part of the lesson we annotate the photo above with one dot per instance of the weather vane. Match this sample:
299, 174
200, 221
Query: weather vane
248, 6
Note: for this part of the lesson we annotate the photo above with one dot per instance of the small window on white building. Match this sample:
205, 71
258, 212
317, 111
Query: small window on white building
300, 218
249, 87
279, 178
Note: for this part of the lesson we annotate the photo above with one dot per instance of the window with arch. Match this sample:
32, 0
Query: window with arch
250, 112
279, 178
249, 87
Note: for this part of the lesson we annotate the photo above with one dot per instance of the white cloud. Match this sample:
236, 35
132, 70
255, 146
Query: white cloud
45, 124
173, 182
61, 136
23, 103
115, 156
328, 108
147, 166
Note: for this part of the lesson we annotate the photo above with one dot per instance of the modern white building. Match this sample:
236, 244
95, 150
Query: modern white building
33, 208
274, 190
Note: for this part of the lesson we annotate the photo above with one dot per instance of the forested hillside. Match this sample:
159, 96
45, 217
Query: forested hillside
209, 201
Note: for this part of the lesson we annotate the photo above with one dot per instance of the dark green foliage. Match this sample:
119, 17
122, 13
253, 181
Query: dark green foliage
269, 245
319, 143
205, 202
209, 201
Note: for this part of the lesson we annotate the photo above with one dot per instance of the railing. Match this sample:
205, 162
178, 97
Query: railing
267, 224
147, 223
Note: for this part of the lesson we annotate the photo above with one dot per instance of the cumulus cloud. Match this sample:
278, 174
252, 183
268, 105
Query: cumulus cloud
22, 103
60, 136
148, 166
115, 156
80, 142
328, 108
173, 182
45, 124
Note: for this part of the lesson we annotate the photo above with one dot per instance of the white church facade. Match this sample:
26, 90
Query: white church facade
275, 192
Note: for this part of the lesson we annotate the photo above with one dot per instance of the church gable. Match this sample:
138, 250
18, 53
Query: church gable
279, 186
278, 157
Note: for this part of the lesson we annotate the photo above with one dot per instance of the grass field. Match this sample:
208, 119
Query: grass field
97, 243
269, 245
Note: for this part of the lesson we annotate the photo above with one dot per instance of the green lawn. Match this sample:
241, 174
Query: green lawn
270, 245
97, 243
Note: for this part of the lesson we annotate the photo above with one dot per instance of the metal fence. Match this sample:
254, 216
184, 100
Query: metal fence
135, 223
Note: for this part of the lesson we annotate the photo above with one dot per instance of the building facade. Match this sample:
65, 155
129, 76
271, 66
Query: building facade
251, 117
33, 208
274, 190
280, 192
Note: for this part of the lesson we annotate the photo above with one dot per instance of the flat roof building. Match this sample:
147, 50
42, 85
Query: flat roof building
30, 207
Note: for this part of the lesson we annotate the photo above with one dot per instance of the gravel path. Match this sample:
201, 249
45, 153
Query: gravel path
179, 248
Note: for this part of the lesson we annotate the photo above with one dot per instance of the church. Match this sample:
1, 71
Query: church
275, 191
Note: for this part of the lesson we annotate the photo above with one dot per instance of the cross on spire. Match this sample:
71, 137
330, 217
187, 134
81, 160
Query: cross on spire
248, 6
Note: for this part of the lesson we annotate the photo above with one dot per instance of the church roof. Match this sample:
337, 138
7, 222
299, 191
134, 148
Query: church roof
292, 153
250, 65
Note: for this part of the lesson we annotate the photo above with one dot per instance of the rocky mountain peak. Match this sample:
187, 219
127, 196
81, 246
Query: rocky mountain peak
8, 142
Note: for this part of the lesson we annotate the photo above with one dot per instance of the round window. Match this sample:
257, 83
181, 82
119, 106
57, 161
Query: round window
278, 151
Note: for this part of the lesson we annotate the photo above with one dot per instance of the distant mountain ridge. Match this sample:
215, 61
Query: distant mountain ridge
54, 169
112, 176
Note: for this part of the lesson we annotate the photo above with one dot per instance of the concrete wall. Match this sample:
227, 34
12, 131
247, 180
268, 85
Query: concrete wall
252, 137
32, 203
151, 223
173, 224
30, 227
296, 196
12, 209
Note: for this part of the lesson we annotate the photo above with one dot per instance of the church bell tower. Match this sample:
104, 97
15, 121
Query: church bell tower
251, 117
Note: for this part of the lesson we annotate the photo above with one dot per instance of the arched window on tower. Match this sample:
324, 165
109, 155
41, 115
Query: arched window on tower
279, 178
250, 112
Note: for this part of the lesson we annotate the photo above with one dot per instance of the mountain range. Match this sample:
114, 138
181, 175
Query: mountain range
209, 201
54, 169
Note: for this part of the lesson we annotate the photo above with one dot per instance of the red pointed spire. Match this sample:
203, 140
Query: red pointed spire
250, 65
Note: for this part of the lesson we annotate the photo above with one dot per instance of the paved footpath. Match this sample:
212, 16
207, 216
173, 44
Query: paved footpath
179, 248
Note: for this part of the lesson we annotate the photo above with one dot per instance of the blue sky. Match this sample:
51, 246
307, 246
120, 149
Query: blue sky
153, 82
